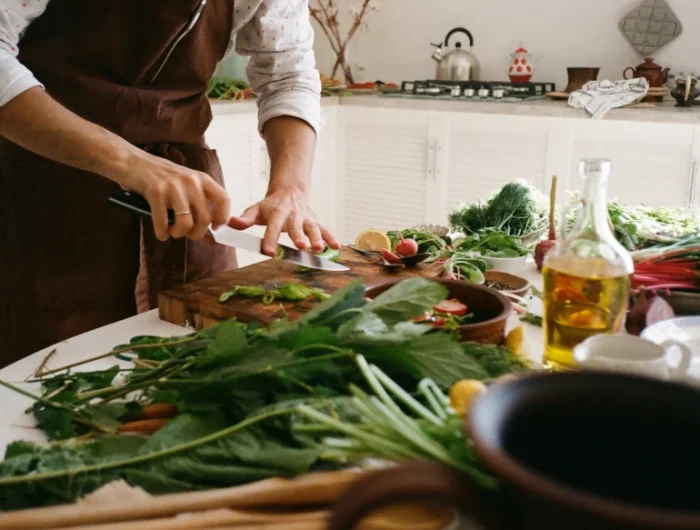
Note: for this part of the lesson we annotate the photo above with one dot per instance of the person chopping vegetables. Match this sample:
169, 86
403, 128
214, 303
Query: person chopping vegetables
98, 96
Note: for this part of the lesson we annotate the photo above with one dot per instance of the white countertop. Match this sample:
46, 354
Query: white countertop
16, 425
665, 112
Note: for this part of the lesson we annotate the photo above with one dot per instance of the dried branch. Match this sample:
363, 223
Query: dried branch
325, 13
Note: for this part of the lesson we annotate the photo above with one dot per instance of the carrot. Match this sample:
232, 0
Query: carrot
158, 410
144, 426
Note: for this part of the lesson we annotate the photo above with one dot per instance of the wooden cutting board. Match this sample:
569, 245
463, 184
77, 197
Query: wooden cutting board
197, 304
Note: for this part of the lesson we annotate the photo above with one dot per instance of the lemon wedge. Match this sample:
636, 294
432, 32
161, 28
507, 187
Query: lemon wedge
464, 393
374, 240
515, 339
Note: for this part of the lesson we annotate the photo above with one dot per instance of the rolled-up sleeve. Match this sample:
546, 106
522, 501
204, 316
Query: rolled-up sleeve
15, 17
282, 67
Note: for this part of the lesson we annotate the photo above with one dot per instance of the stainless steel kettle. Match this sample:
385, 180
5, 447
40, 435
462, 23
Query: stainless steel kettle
457, 64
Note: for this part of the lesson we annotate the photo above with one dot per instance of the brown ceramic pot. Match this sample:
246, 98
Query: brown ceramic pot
491, 309
652, 72
571, 451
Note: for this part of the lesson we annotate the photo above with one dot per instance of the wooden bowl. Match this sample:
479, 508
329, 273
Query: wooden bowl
512, 284
491, 309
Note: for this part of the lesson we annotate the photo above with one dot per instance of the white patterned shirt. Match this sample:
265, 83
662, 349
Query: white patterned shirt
276, 34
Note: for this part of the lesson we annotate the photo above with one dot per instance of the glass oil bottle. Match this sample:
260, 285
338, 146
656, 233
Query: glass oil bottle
587, 274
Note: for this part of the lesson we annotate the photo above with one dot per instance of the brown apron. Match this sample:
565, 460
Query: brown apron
68, 260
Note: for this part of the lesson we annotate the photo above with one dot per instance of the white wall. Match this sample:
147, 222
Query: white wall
566, 32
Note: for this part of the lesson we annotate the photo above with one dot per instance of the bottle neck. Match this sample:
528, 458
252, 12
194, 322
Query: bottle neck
594, 214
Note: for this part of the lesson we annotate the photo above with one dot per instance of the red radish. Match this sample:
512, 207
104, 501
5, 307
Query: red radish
439, 322
449, 275
545, 246
390, 256
451, 307
425, 317
406, 247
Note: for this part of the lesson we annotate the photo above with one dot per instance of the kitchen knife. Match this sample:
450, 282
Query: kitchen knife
226, 235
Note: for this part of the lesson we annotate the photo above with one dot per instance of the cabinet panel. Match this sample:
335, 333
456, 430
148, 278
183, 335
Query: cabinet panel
237, 143
234, 138
486, 151
385, 167
652, 163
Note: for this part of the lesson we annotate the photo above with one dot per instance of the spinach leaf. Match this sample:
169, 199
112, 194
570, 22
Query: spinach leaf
407, 300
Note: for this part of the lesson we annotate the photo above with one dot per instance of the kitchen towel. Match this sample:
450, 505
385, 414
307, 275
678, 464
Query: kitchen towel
598, 97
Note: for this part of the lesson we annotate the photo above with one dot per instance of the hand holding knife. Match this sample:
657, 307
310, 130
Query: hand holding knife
228, 236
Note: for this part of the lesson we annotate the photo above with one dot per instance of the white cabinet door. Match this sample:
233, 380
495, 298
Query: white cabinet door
652, 163
234, 137
236, 141
485, 151
325, 172
385, 163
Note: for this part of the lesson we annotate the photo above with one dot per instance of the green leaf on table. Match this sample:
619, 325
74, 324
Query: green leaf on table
189, 453
56, 423
364, 324
328, 312
229, 342
94, 380
407, 299
105, 414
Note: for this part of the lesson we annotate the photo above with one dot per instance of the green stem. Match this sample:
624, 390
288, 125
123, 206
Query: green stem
175, 449
73, 376
132, 347
374, 441
308, 347
404, 396
377, 386
415, 436
122, 390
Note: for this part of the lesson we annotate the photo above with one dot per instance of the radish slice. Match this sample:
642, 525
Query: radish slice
390, 256
451, 307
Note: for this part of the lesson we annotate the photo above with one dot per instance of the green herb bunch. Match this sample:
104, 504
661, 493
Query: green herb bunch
517, 209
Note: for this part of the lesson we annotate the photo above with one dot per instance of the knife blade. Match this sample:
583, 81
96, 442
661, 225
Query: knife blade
226, 235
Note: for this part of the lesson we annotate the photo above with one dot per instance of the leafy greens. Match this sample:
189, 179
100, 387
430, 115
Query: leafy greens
237, 388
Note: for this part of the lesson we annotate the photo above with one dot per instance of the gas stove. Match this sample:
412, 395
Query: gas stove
473, 90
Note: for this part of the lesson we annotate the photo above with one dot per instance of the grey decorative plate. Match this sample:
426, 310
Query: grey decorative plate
650, 26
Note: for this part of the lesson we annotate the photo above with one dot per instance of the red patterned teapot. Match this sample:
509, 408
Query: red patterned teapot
522, 66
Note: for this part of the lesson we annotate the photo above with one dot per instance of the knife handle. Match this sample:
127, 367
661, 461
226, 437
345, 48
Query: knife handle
135, 203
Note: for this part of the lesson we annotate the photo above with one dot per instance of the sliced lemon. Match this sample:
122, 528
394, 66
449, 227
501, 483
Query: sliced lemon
374, 240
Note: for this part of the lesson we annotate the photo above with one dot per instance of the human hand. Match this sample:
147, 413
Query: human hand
286, 210
197, 200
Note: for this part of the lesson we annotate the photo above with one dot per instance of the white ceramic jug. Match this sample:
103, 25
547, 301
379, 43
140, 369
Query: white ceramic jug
632, 355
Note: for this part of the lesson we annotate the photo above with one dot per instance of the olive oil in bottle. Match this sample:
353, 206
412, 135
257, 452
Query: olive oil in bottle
587, 275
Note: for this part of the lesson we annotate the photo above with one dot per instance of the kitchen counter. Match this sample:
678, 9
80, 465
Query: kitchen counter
665, 112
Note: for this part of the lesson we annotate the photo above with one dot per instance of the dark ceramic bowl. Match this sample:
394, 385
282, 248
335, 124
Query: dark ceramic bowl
491, 309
